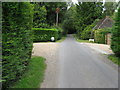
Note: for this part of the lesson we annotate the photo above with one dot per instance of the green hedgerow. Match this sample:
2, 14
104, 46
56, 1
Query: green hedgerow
115, 45
17, 19
43, 34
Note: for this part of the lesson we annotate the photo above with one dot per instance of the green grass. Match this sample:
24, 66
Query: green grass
62, 39
114, 59
86, 41
34, 76
79, 40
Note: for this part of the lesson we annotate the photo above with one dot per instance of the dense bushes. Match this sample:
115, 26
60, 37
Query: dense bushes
16, 39
115, 45
42, 34
60, 32
99, 35
87, 32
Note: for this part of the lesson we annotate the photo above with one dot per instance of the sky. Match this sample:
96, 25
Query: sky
75, 1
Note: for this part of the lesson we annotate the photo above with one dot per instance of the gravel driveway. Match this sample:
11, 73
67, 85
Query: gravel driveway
49, 51
103, 48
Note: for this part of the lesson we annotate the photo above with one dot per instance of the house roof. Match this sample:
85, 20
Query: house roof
103, 23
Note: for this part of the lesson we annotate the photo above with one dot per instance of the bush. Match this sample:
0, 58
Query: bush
115, 45
60, 31
42, 34
99, 35
86, 33
16, 40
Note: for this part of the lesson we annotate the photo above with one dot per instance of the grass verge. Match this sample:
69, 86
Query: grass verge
86, 41
79, 40
62, 39
114, 59
34, 76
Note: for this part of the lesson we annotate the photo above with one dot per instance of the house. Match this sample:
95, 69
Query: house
105, 23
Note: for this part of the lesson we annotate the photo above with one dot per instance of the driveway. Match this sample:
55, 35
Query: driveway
71, 64
50, 52
83, 67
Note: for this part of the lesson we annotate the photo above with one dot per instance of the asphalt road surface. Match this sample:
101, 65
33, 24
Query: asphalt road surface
83, 67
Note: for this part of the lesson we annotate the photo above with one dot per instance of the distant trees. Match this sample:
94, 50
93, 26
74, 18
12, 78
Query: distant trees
45, 13
87, 12
110, 8
115, 45
51, 12
40, 14
78, 17
69, 20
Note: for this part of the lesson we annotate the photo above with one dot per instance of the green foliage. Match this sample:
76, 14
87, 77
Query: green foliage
60, 32
16, 39
51, 11
114, 59
42, 34
115, 45
40, 14
87, 12
34, 75
99, 35
87, 32
110, 8
79, 40
69, 21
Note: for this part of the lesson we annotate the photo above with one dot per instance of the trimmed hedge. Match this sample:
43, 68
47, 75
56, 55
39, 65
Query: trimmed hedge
99, 35
115, 45
60, 32
43, 34
16, 40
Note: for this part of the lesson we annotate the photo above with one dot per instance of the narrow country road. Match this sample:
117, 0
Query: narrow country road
82, 67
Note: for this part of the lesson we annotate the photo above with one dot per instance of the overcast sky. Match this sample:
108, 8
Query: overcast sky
76, 1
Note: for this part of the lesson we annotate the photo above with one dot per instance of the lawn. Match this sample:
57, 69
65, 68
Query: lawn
114, 59
34, 76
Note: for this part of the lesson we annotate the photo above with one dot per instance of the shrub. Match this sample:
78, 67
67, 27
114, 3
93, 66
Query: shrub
86, 33
115, 45
99, 35
60, 31
16, 39
42, 34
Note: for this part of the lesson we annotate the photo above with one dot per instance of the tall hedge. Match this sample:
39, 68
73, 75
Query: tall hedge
115, 45
42, 34
16, 39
